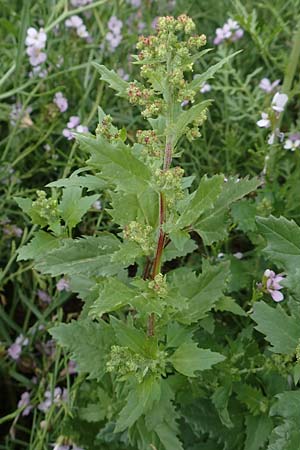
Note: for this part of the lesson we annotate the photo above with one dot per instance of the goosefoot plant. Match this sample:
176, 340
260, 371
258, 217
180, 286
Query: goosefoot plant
136, 342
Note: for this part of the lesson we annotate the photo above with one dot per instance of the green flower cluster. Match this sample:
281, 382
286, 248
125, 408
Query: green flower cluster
124, 363
165, 58
141, 234
46, 208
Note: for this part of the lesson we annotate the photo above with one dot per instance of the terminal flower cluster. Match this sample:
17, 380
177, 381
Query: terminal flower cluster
36, 42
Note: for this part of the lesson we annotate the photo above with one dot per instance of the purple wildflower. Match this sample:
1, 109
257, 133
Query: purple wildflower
206, 87
36, 38
72, 367
271, 281
43, 296
279, 101
97, 205
14, 350
230, 32
62, 285
16, 114
25, 402
121, 72
58, 396
292, 144
114, 36
60, 101
74, 22
264, 122
266, 85
36, 43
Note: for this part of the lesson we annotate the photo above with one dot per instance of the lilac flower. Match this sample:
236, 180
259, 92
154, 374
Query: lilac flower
36, 56
206, 87
15, 349
17, 115
25, 402
62, 285
230, 31
272, 285
279, 101
11, 230
97, 205
115, 25
81, 129
58, 396
44, 296
238, 255
184, 103
154, 22
114, 35
121, 72
276, 134
78, 3
36, 42
266, 85
60, 101
72, 367
36, 39
38, 71
74, 124
61, 447
264, 122
291, 144
74, 22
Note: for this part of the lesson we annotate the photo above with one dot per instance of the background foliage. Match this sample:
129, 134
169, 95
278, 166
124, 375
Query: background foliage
249, 401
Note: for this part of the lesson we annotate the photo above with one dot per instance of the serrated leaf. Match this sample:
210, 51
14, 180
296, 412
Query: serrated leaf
280, 329
89, 256
128, 336
220, 399
243, 214
73, 206
201, 78
88, 342
117, 163
212, 226
172, 251
91, 182
285, 436
229, 304
91, 413
113, 79
40, 244
112, 295
201, 200
176, 334
168, 438
258, 429
184, 119
252, 397
283, 238
140, 399
203, 291
189, 358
